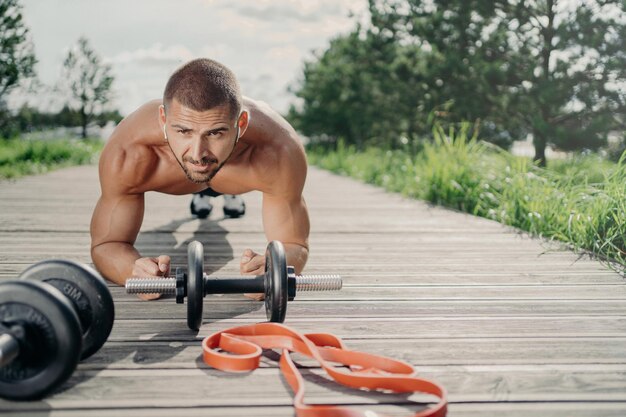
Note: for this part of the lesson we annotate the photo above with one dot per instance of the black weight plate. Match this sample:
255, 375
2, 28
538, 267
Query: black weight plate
87, 291
275, 282
195, 284
50, 350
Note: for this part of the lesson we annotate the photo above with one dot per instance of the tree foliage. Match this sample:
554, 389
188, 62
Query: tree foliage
29, 119
551, 68
349, 91
568, 61
17, 59
88, 82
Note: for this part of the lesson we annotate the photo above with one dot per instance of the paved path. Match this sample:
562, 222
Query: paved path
510, 325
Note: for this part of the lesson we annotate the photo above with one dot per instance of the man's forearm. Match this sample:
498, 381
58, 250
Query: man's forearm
296, 255
115, 260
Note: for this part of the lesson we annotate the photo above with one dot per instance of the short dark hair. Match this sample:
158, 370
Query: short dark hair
203, 84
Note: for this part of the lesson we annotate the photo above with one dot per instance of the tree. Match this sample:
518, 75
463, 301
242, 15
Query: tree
388, 83
552, 68
572, 60
17, 59
346, 93
88, 81
28, 118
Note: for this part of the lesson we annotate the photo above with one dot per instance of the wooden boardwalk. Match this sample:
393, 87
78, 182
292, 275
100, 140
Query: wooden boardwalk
511, 326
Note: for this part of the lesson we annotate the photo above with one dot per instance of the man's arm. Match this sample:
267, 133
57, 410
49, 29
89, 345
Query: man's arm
282, 167
287, 220
114, 227
117, 218
285, 215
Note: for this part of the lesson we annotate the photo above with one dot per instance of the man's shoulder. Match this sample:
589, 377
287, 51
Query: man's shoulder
125, 166
280, 166
130, 155
277, 157
122, 151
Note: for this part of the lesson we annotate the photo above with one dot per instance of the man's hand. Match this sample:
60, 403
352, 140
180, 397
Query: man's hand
252, 264
151, 267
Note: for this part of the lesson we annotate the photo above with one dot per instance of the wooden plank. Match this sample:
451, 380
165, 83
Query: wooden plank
426, 279
264, 387
391, 328
508, 409
227, 307
230, 259
417, 292
443, 352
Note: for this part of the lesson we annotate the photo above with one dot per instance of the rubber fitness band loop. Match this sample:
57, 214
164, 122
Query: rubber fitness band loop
242, 347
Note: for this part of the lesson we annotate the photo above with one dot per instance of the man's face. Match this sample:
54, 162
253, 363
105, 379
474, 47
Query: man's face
202, 141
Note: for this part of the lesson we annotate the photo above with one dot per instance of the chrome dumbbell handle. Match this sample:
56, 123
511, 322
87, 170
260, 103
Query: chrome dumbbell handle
145, 285
137, 285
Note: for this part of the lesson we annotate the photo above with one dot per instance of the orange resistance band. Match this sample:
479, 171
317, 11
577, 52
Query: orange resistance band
242, 348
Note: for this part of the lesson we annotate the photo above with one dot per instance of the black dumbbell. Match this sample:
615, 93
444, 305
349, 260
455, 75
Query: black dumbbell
279, 283
42, 336
89, 295
40, 339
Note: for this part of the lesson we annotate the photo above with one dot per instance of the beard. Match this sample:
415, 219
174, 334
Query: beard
200, 177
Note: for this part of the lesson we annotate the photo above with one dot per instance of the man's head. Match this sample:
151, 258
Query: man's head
201, 117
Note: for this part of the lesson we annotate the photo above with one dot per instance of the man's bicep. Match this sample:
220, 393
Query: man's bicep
286, 219
117, 218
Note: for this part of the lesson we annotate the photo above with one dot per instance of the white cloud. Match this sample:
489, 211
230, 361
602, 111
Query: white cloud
286, 10
289, 52
303, 11
157, 54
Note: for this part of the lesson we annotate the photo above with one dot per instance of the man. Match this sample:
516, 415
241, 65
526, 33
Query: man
202, 134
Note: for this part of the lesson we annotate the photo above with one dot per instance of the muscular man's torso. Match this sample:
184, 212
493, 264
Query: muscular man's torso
138, 143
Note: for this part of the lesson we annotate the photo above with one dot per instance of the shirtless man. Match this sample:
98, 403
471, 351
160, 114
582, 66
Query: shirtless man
203, 133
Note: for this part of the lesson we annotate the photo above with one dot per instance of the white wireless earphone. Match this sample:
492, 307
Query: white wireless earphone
164, 132
237, 125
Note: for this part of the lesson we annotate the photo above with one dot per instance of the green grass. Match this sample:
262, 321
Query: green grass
26, 157
581, 201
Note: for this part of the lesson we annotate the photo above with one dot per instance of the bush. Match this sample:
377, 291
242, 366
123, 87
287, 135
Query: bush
21, 157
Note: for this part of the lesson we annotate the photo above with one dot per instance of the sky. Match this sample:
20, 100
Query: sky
264, 42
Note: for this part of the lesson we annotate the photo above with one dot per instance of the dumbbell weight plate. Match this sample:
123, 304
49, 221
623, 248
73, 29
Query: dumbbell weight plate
275, 282
87, 291
195, 284
54, 333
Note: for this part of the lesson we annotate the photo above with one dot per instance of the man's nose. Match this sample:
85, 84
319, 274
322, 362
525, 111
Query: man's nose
199, 149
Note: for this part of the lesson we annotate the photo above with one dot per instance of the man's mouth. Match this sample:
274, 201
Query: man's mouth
200, 167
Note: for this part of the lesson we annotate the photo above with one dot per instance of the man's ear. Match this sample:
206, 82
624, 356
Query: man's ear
243, 122
162, 120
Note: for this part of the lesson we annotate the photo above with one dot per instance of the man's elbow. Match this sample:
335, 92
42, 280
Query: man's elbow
297, 255
96, 256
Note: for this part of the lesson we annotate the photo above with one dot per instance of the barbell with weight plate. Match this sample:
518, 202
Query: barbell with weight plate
279, 283
57, 313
